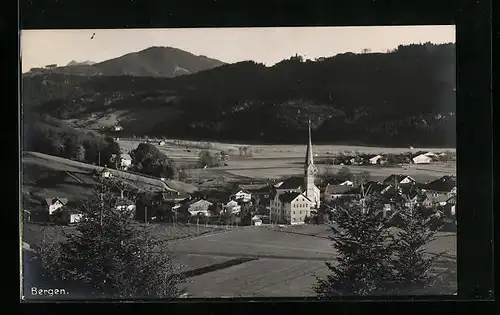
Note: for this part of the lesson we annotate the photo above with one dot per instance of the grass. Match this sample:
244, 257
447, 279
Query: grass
288, 261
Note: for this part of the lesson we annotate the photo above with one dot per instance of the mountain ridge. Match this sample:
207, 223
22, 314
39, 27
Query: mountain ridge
155, 61
406, 97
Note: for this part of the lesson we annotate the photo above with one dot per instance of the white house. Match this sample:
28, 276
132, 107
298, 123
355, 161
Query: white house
55, 203
256, 220
105, 173
347, 183
376, 159
292, 208
161, 143
243, 195
430, 154
199, 206
422, 159
232, 207
117, 128
75, 217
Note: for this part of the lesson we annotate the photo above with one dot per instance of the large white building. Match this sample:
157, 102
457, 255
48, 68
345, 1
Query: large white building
293, 199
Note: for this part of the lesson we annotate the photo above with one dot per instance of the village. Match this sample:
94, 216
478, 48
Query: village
289, 200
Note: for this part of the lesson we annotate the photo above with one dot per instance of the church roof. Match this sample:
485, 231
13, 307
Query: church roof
294, 182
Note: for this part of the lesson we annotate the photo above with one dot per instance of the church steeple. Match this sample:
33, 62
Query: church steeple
309, 153
310, 190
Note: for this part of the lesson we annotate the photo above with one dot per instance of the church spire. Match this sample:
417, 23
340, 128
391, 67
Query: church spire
309, 152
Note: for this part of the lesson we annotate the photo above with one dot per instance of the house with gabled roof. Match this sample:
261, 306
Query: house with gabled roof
55, 203
398, 179
292, 208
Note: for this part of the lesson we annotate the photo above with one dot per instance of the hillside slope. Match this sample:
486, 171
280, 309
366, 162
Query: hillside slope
150, 62
402, 98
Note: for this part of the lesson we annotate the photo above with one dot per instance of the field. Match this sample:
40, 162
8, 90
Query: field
288, 260
56, 164
275, 161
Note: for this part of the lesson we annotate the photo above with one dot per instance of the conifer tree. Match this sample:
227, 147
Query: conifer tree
363, 244
412, 264
113, 253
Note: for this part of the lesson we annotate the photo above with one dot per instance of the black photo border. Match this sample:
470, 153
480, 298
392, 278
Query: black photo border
474, 112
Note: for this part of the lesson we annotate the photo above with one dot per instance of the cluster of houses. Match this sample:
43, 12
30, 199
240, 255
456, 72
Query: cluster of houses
421, 157
439, 194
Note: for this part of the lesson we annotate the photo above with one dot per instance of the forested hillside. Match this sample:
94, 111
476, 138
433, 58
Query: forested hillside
406, 97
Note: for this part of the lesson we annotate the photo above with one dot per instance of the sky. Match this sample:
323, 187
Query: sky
266, 45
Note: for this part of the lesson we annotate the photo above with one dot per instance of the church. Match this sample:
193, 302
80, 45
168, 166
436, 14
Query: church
293, 199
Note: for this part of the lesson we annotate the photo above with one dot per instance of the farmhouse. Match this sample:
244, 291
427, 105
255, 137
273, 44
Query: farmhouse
243, 195
55, 203
421, 159
74, 215
256, 220
377, 159
292, 208
232, 207
106, 173
304, 186
399, 179
196, 206
335, 191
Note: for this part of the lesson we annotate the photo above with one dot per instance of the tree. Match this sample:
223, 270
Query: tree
214, 209
412, 263
345, 174
147, 159
364, 250
80, 153
208, 159
115, 254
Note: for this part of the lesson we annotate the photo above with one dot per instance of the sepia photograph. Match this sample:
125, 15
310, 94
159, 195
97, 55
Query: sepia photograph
272, 162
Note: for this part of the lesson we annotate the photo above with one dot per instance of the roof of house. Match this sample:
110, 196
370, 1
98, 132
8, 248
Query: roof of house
243, 191
51, 201
256, 218
294, 182
192, 202
396, 177
290, 196
337, 189
443, 184
419, 155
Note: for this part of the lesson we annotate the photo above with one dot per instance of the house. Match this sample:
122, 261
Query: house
125, 161
232, 207
398, 178
256, 220
377, 159
54, 204
106, 173
74, 215
292, 208
117, 128
421, 159
446, 184
347, 183
161, 143
436, 199
335, 191
196, 206
243, 195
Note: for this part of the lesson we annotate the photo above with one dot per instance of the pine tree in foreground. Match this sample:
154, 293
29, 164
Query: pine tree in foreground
116, 255
363, 244
412, 264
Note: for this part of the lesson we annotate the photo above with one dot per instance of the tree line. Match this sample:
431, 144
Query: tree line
405, 97
45, 134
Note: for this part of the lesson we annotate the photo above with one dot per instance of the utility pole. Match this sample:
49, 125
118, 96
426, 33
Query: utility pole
146, 214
